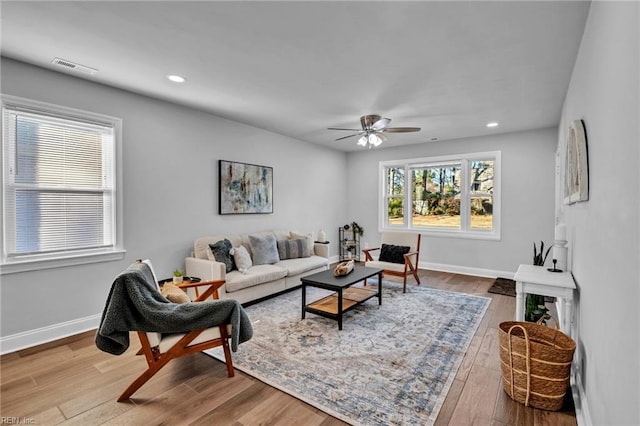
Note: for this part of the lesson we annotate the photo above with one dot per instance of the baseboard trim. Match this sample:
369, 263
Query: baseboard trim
38, 336
466, 270
583, 418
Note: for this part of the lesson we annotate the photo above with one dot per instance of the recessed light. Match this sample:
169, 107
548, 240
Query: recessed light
176, 78
492, 124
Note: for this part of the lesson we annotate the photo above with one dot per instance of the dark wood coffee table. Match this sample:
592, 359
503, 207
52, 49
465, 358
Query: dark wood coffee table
345, 296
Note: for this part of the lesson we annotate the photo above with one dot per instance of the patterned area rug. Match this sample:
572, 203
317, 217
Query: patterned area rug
503, 286
391, 364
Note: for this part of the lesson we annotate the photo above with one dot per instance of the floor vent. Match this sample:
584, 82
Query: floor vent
72, 66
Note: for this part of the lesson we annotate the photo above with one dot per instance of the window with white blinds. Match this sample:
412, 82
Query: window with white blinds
59, 176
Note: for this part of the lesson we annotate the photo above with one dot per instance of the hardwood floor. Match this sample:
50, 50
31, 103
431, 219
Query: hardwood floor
70, 381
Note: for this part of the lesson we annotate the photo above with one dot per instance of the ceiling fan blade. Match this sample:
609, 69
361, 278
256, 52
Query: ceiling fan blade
381, 136
349, 136
381, 124
340, 128
401, 129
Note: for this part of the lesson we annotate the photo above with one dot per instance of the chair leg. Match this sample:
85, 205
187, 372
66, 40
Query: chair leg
415, 275
227, 358
143, 378
404, 284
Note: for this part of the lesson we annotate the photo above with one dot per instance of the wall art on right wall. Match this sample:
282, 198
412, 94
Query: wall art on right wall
576, 177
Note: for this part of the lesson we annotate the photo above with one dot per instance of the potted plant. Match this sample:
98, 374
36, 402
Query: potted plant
357, 229
534, 305
177, 276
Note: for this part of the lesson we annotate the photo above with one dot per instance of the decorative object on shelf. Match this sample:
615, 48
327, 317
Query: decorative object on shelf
538, 258
349, 242
576, 178
244, 188
560, 248
357, 229
178, 276
535, 309
343, 268
554, 269
322, 236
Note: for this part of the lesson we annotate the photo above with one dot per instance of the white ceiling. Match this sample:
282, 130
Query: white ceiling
296, 68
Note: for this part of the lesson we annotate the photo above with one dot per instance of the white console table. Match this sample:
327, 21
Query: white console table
538, 280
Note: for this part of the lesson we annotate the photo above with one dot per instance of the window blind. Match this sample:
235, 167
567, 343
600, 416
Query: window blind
58, 183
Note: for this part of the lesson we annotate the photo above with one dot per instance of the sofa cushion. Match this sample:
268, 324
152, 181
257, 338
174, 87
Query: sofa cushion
308, 237
293, 249
302, 264
392, 253
201, 247
264, 249
388, 266
257, 274
220, 250
242, 258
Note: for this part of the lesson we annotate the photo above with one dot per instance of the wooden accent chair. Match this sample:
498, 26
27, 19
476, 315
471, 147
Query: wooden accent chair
392, 259
159, 349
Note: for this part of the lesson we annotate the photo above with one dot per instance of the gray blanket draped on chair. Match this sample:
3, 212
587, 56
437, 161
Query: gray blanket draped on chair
135, 304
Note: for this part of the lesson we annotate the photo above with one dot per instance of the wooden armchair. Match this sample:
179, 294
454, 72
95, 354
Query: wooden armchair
159, 349
399, 255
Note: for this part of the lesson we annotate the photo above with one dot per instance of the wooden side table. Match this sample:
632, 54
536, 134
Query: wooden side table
538, 280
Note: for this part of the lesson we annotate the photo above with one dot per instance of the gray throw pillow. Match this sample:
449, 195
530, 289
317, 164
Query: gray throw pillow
292, 249
264, 249
393, 254
220, 250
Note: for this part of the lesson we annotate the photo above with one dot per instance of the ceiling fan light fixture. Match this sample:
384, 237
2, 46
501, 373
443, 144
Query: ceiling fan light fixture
374, 140
362, 141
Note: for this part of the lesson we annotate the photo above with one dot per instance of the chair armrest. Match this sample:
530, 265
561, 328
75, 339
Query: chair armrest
408, 255
320, 249
367, 255
211, 291
206, 270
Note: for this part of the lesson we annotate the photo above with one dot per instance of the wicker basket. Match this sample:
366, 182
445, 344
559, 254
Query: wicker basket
536, 364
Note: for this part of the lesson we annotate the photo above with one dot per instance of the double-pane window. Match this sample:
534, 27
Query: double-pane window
59, 176
457, 196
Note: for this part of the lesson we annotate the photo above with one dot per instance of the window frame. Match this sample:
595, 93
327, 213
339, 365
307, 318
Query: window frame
29, 262
465, 230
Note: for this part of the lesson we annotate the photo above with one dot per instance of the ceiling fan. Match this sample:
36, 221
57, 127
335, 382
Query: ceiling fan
373, 129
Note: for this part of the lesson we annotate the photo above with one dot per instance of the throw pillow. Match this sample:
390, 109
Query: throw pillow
174, 294
264, 249
393, 254
220, 250
308, 237
242, 258
293, 249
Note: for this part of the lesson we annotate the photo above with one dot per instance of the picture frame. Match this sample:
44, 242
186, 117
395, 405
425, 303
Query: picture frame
576, 178
244, 188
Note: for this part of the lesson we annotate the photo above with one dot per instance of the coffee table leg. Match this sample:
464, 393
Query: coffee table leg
304, 299
340, 309
380, 288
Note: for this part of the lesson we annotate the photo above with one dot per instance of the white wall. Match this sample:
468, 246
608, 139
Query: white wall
170, 154
527, 200
604, 232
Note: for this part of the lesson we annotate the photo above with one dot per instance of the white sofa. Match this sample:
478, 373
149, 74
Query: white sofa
259, 281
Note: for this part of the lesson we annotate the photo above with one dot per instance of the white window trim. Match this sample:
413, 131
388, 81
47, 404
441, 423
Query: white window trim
10, 265
407, 164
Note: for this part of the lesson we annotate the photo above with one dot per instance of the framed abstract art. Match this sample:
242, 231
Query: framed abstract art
245, 188
576, 181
